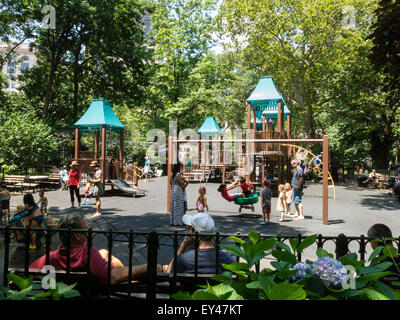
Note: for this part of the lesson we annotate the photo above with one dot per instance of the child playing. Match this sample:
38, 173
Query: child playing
5, 202
202, 200
89, 192
289, 197
246, 187
281, 204
43, 203
224, 192
265, 197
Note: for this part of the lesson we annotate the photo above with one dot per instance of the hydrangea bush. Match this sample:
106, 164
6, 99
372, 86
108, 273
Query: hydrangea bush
290, 279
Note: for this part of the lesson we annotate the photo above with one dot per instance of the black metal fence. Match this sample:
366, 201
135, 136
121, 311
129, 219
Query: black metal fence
341, 244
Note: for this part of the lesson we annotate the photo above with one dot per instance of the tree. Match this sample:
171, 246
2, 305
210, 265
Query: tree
298, 42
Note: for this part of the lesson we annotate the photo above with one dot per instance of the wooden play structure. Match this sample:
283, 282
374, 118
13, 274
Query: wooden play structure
100, 120
265, 144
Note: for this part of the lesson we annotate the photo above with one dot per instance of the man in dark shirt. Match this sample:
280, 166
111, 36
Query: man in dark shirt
265, 197
297, 185
203, 224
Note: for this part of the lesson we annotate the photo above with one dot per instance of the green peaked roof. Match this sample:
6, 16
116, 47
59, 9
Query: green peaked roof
265, 98
209, 128
99, 113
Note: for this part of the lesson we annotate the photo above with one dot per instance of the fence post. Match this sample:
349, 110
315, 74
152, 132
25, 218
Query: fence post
341, 246
152, 251
362, 247
6, 255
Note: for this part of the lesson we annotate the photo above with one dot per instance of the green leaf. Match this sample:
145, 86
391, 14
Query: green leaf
254, 237
21, 295
329, 298
263, 246
321, 252
384, 289
376, 268
225, 276
287, 291
71, 294
375, 253
293, 243
285, 256
307, 242
182, 296
21, 282
237, 266
235, 250
373, 276
236, 239
283, 246
372, 294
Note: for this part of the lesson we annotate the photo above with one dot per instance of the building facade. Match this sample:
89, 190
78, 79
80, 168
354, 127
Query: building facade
16, 64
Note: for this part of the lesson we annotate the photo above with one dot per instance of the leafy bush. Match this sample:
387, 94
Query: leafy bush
27, 287
293, 280
26, 140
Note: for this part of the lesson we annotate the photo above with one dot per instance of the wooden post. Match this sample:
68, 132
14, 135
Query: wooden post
248, 115
199, 151
325, 168
262, 173
121, 152
134, 174
96, 145
279, 145
267, 132
169, 166
254, 125
223, 166
288, 125
103, 155
77, 143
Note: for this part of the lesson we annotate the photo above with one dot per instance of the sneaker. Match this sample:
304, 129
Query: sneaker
72, 206
95, 214
281, 220
79, 206
263, 223
32, 247
300, 218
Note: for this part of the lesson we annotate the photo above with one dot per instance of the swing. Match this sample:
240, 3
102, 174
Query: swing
247, 203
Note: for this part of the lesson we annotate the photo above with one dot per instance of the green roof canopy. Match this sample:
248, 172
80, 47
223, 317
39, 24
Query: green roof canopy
209, 128
99, 113
265, 98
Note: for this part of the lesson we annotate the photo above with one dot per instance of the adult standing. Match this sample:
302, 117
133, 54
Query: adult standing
73, 182
96, 179
63, 175
178, 185
297, 185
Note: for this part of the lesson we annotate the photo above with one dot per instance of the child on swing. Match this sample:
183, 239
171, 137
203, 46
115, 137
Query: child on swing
224, 191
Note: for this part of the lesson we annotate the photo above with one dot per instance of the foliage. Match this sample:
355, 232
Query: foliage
293, 280
26, 141
27, 287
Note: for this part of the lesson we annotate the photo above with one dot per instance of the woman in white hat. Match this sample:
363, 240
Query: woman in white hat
73, 182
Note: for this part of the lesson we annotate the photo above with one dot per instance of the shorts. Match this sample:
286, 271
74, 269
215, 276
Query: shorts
5, 204
297, 195
266, 209
38, 219
100, 190
247, 194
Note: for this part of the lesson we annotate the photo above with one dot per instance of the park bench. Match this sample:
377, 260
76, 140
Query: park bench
18, 183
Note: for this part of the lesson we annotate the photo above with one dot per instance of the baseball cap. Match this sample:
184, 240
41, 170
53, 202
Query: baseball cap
201, 222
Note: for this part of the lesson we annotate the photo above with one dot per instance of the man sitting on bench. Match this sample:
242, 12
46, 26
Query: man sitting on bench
79, 255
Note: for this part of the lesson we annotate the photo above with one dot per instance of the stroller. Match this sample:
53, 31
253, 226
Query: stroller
394, 184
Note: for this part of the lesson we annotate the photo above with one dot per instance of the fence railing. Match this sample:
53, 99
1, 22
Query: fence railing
153, 242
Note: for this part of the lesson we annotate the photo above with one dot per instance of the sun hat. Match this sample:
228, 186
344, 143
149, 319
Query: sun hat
93, 164
201, 222
74, 163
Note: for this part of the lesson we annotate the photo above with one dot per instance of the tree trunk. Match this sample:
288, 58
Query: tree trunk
49, 88
380, 149
76, 93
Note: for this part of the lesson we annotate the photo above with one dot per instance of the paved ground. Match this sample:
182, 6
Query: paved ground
352, 213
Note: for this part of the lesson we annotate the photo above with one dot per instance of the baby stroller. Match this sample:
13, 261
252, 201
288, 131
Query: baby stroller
394, 184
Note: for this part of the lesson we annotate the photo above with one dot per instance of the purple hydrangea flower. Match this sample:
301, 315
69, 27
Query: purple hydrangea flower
302, 270
329, 270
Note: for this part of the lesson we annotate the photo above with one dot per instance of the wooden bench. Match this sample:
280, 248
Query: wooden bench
19, 183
